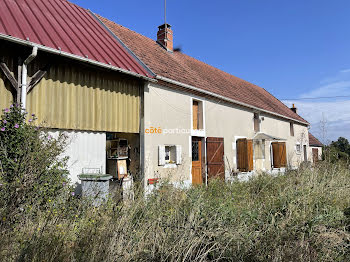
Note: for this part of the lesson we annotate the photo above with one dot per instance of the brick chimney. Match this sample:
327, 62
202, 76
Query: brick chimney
165, 37
294, 109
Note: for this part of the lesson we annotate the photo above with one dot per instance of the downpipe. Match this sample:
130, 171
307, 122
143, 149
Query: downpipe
25, 74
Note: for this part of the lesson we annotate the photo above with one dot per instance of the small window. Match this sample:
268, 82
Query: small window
298, 148
197, 115
256, 122
169, 154
259, 149
195, 151
291, 127
305, 153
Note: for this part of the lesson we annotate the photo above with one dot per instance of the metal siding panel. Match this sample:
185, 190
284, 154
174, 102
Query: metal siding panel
6, 97
86, 100
5, 94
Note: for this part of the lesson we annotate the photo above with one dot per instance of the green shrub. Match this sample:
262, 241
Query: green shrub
32, 173
300, 216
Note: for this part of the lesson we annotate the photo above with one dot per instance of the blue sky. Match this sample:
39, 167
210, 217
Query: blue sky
293, 49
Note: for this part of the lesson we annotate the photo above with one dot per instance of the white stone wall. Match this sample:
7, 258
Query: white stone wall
167, 108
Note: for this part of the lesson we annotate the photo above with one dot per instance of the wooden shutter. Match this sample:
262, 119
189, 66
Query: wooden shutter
250, 154
283, 151
195, 114
215, 157
161, 155
245, 155
178, 155
279, 154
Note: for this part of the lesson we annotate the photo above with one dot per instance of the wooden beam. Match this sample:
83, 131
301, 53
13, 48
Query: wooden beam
37, 77
8, 74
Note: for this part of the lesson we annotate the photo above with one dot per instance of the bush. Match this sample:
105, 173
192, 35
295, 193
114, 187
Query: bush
32, 173
300, 216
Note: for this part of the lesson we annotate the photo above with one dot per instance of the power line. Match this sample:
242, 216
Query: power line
313, 98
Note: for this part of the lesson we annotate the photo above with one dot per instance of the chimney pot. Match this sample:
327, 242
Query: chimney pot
165, 37
294, 109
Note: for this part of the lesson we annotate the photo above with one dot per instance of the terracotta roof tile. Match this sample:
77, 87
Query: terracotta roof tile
313, 141
188, 70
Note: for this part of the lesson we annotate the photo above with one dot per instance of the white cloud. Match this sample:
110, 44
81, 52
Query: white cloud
336, 112
345, 71
339, 88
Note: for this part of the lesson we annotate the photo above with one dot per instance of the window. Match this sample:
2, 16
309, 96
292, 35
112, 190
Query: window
305, 153
195, 151
259, 149
169, 154
298, 148
256, 122
291, 128
197, 115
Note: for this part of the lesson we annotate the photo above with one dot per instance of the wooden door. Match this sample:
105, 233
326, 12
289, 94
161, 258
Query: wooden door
315, 155
197, 178
215, 157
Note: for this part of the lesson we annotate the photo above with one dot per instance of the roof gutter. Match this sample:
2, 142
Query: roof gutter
75, 57
226, 99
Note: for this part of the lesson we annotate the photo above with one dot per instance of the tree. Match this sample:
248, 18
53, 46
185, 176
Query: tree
338, 150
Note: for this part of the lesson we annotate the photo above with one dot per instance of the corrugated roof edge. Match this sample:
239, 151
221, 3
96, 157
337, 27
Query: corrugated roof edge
75, 57
121, 42
171, 81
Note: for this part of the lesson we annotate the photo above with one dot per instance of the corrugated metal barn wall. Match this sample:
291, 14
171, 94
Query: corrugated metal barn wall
84, 99
6, 96
75, 96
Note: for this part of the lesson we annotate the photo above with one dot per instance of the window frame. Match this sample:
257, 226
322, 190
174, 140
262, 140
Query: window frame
173, 151
291, 129
200, 115
256, 122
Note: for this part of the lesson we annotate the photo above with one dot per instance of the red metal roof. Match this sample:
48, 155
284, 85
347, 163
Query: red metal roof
64, 26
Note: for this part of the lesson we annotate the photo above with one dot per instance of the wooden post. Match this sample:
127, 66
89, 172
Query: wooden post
19, 81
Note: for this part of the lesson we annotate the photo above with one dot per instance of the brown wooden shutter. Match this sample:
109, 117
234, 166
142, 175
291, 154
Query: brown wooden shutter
279, 153
195, 115
283, 151
276, 155
250, 155
240, 154
245, 155
215, 157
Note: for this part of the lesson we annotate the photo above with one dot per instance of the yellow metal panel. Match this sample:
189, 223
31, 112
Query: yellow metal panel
72, 98
6, 97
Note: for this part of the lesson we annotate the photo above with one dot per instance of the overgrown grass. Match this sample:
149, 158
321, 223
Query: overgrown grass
300, 216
